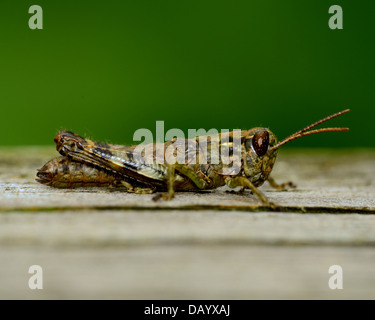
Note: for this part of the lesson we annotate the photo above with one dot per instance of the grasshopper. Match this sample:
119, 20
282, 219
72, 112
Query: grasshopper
88, 163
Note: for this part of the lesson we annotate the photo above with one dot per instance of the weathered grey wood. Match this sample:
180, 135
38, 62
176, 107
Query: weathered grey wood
327, 180
188, 272
109, 244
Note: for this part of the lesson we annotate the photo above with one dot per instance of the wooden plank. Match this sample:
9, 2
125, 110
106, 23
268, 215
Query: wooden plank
188, 272
109, 244
327, 181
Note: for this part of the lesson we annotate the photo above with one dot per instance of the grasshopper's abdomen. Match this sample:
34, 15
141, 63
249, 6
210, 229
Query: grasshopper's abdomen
62, 172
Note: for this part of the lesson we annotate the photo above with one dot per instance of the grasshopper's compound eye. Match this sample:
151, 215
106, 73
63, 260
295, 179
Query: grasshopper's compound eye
260, 142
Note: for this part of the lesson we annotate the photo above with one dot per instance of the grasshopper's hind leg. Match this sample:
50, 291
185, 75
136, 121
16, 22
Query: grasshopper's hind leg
281, 186
246, 183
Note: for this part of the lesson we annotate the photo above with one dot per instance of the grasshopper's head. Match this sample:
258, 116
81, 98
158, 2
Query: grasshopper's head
259, 156
261, 148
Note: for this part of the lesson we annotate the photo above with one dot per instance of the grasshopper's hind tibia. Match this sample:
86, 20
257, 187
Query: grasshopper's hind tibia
246, 183
281, 186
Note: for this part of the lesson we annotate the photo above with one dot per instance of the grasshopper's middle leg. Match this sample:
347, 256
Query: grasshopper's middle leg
170, 184
246, 183
170, 181
197, 176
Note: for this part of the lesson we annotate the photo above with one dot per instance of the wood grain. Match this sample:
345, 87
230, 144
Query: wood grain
94, 243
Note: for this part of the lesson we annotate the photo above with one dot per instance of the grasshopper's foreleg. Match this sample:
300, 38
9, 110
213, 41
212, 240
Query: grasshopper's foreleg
282, 186
246, 183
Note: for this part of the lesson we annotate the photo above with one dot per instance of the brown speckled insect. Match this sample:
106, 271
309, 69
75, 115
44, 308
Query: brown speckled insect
88, 163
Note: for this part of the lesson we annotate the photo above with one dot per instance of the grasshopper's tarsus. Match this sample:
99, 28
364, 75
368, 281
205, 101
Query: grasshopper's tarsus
162, 196
157, 197
239, 192
281, 186
137, 190
246, 183
275, 207
141, 190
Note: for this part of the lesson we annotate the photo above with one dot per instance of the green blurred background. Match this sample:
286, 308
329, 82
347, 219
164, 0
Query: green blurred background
107, 68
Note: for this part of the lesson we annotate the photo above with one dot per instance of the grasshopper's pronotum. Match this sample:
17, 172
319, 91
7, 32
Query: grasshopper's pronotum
88, 163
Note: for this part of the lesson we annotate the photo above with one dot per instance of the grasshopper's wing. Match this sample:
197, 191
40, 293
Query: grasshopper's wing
122, 161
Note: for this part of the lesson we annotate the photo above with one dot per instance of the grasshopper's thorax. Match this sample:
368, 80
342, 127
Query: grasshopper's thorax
259, 158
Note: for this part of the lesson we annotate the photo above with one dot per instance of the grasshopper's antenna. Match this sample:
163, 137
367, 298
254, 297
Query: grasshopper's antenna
304, 132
